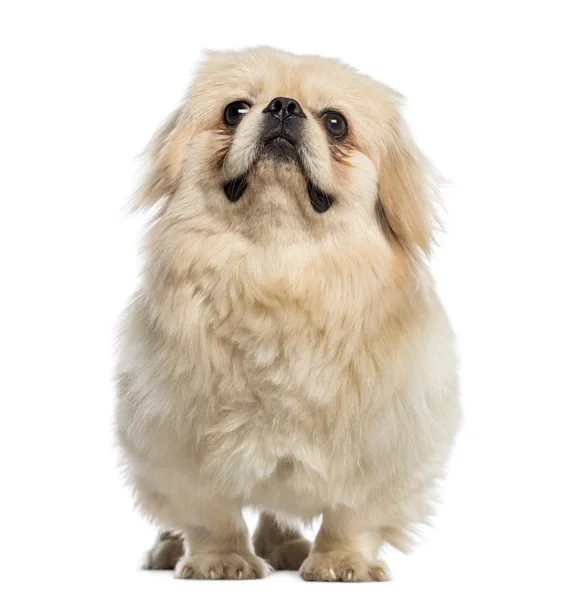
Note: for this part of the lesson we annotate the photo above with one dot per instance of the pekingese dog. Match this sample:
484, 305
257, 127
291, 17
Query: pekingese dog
286, 350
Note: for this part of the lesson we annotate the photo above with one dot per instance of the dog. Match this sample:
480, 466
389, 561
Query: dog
286, 350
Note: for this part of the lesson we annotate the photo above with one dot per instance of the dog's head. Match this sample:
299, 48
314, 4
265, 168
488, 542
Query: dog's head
269, 143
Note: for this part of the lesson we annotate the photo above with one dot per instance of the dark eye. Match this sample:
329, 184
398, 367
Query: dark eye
335, 123
235, 112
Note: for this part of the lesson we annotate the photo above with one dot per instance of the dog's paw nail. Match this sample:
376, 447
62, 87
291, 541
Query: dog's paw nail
349, 574
240, 574
332, 573
185, 573
212, 574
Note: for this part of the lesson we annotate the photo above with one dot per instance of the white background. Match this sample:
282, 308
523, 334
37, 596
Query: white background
492, 100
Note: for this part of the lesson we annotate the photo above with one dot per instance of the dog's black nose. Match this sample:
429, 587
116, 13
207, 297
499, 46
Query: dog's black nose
283, 108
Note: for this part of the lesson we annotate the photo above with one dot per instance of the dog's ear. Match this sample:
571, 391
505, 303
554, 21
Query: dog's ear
165, 156
406, 192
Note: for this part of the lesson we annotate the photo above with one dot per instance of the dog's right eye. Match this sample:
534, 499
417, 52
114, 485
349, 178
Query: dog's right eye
235, 112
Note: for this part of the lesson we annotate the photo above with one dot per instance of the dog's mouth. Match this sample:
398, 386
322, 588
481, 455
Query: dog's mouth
281, 147
282, 141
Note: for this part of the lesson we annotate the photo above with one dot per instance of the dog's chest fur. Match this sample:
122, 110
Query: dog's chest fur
286, 401
273, 390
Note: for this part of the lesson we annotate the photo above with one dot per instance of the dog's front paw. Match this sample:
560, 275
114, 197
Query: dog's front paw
342, 566
213, 565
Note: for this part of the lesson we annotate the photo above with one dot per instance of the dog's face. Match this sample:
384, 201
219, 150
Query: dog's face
285, 147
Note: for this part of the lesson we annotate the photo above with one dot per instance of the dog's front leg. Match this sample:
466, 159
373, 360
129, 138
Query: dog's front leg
217, 546
345, 549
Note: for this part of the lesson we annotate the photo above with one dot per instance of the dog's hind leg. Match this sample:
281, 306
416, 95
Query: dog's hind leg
280, 543
168, 548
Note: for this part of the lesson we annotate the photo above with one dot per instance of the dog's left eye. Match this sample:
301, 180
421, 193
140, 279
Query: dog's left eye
235, 112
335, 123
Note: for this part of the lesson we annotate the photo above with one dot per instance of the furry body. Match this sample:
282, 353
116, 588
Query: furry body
278, 358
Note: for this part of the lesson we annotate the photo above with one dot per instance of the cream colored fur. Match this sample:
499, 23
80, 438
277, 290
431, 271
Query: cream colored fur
273, 357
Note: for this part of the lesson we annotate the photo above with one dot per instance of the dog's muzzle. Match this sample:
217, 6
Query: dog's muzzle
282, 128
281, 135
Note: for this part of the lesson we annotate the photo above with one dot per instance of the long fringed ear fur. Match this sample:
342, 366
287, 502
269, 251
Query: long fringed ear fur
406, 191
164, 155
